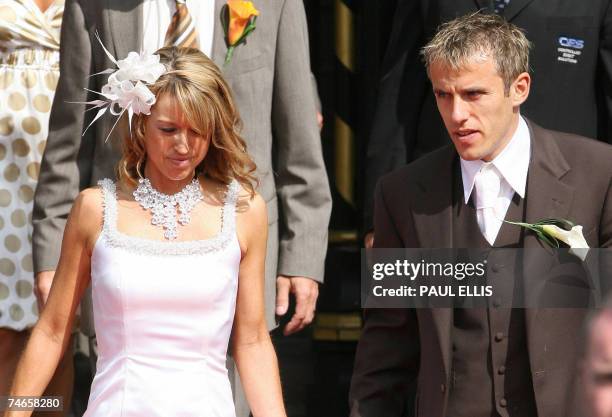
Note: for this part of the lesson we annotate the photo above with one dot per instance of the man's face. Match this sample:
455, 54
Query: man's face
479, 115
598, 367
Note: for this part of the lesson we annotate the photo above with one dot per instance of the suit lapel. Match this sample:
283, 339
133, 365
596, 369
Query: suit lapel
514, 8
218, 47
547, 196
126, 31
433, 208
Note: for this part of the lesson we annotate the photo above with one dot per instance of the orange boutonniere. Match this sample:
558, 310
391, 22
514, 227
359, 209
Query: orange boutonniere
238, 18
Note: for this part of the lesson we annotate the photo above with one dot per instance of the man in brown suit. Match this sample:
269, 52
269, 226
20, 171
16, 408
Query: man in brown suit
493, 361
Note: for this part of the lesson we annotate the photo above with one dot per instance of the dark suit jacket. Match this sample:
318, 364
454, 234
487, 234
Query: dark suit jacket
568, 97
403, 353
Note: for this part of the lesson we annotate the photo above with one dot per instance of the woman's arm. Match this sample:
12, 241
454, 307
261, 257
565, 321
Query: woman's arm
51, 334
251, 344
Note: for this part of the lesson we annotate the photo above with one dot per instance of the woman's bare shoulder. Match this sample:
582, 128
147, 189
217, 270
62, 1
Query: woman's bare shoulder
250, 205
88, 212
90, 201
251, 219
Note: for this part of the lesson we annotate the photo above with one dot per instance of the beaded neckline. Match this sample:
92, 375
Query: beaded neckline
117, 239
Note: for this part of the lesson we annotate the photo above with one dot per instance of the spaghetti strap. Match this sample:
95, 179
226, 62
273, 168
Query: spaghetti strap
109, 204
229, 207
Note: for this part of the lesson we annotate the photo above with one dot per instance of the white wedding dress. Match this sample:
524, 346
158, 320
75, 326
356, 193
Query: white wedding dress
163, 313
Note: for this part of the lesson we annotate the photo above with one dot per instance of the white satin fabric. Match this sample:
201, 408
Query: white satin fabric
163, 315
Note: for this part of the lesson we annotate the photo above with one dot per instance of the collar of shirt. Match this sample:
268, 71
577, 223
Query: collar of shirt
512, 163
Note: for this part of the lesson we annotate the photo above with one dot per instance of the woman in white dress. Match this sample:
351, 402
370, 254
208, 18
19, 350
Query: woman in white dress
175, 259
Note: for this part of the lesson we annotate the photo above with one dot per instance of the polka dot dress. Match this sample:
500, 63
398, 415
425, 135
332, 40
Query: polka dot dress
29, 57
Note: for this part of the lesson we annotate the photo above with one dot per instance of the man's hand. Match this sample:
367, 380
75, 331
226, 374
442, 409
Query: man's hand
306, 291
368, 240
42, 287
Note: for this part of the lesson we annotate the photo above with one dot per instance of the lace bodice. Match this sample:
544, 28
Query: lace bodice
114, 238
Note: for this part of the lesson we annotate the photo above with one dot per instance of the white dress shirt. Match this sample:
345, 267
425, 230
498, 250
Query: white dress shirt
158, 13
510, 169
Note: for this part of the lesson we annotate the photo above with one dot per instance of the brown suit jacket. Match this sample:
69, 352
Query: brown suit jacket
405, 355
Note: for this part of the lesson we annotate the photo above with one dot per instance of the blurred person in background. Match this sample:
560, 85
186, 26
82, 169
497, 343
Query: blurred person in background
597, 366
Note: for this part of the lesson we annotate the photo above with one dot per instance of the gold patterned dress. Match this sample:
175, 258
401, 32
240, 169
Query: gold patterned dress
29, 58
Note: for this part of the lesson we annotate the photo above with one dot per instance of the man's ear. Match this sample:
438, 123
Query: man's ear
519, 90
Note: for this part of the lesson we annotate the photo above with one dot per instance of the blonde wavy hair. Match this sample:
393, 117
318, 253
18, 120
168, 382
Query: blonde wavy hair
205, 98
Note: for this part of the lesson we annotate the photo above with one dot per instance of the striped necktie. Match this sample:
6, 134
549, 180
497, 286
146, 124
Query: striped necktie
181, 31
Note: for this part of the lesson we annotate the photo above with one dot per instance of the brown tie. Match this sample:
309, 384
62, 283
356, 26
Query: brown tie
181, 31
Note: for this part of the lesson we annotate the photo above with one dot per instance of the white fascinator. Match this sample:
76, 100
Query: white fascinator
127, 86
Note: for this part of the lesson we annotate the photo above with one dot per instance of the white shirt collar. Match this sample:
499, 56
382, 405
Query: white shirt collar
512, 163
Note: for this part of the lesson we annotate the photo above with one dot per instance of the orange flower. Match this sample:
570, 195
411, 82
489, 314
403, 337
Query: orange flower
241, 13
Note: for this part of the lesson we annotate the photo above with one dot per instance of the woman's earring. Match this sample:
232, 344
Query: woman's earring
138, 164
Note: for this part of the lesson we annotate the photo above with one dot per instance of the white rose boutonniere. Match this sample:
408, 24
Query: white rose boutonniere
553, 231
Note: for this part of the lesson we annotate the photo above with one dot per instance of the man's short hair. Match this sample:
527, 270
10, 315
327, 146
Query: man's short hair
459, 41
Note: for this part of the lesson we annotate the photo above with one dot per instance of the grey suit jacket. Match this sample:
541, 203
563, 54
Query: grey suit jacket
270, 80
404, 356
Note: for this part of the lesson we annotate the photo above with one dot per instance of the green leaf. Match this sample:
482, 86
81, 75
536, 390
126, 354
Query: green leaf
229, 54
549, 240
527, 225
537, 229
560, 223
247, 31
224, 16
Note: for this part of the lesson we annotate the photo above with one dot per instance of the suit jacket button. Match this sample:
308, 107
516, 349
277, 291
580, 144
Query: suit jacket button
442, 388
501, 370
495, 268
499, 336
503, 402
497, 302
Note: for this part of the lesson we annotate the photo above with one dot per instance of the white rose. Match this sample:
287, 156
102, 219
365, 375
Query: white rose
126, 94
139, 67
142, 98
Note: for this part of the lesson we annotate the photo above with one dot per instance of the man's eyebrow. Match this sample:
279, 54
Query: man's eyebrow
475, 89
602, 378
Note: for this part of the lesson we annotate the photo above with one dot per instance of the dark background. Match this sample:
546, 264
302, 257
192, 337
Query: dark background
316, 364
